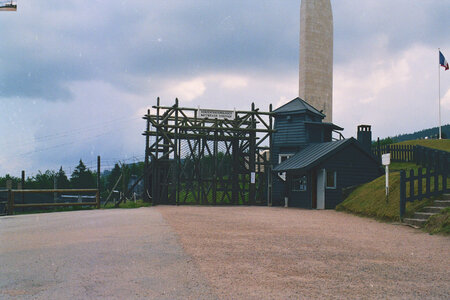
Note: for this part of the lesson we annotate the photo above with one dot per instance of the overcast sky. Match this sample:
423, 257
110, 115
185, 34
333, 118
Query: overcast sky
77, 76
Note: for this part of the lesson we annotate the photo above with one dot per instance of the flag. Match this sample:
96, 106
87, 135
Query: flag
442, 61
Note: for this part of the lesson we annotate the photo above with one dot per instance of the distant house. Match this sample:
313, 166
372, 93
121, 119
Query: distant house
310, 168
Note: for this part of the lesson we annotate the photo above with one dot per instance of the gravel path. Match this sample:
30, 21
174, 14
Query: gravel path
276, 253
98, 254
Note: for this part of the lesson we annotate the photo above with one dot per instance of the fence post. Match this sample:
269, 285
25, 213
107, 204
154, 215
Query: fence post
419, 181
428, 184
402, 194
411, 185
378, 149
436, 182
444, 177
9, 202
98, 179
97, 198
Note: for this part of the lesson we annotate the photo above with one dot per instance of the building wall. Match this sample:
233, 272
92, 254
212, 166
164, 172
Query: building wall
290, 138
316, 55
352, 166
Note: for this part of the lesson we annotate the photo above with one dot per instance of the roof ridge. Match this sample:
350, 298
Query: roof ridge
298, 104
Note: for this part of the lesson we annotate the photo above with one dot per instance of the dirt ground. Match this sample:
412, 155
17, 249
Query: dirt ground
189, 252
277, 253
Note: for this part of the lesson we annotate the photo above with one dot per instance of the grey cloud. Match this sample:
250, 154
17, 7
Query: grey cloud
59, 42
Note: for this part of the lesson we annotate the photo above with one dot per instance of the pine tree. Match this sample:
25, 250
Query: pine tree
82, 177
62, 180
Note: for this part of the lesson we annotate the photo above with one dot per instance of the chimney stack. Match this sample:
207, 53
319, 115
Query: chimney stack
365, 137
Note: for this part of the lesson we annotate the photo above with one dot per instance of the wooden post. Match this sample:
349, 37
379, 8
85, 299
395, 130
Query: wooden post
402, 194
411, 184
9, 205
146, 175
97, 198
436, 181
55, 186
156, 187
215, 153
98, 179
419, 180
251, 160
23, 187
176, 156
123, 184
378, 150
269, 169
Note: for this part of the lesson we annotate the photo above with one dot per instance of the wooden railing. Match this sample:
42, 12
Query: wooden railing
12, 205
423, 185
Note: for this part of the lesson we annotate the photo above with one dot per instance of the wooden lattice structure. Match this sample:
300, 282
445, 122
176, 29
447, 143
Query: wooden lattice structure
193, 159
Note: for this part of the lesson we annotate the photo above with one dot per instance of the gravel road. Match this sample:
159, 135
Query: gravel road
190, 252
277, 253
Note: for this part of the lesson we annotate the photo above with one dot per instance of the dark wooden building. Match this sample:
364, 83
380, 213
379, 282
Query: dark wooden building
310, 168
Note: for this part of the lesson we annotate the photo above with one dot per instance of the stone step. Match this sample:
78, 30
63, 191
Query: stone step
445, 196
423, 215
441, 203
432, 209
415, 222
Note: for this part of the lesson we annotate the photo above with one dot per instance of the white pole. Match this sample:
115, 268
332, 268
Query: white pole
387, 183
439, 75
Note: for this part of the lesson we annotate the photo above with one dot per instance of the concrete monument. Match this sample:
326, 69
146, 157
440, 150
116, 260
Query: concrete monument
316, 55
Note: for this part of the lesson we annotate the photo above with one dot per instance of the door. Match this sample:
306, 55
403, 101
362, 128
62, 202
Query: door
313, 189
321, 177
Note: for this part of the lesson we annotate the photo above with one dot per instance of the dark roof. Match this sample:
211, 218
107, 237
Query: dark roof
297, 105
325, 124
315, 154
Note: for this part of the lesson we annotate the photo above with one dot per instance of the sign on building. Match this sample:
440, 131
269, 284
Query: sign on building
216, 114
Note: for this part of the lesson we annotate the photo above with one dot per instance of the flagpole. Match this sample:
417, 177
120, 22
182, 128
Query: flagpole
439, 75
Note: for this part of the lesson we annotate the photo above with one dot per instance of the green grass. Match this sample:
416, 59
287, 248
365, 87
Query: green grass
17, 211
443, 145
129, 204
370, 200
440, 223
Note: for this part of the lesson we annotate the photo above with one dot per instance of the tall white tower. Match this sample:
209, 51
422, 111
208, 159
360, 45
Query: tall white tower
316, 55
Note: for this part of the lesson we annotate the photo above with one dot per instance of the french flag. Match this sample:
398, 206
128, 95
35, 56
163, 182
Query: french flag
442, 61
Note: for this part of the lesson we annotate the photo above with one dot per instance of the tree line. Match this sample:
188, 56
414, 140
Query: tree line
81, 178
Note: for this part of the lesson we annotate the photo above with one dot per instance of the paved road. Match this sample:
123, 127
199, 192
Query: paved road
111, 254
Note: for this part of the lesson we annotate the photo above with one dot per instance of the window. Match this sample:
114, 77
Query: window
331, 179
281, 158
299, 184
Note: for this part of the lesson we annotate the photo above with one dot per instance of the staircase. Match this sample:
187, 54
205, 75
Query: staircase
420, 217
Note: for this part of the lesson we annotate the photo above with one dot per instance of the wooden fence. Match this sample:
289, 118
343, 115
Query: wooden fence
432, 182
423, 185
399, 153
11, 205
424, 156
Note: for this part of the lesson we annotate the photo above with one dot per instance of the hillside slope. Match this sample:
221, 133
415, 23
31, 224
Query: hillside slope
443, 145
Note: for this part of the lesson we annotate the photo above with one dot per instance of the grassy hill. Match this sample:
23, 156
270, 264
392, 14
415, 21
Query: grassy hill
369, 199
443, 145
